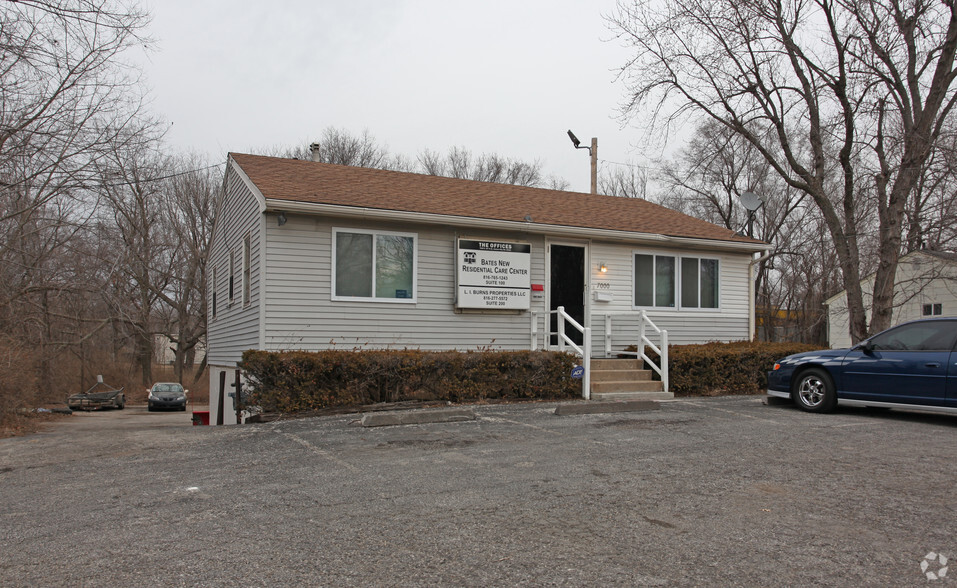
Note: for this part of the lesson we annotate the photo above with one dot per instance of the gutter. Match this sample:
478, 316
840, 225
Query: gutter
273, 205
752, 321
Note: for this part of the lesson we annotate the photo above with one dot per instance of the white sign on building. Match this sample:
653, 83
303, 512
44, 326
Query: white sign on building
494, 274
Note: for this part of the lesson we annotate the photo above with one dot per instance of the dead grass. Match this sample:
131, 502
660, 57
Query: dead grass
18, 425
19, 385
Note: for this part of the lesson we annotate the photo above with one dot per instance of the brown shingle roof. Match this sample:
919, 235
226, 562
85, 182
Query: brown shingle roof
324, 183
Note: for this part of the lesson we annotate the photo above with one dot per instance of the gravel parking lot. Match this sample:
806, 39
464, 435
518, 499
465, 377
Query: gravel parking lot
719, 491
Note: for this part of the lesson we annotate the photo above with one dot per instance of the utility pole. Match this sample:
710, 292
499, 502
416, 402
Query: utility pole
593, 151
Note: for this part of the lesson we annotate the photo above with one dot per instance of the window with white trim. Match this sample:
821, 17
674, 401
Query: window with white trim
660, 278
699, 282
232, 277
214, 292
246, 270
374, 265
654, 280
935, 309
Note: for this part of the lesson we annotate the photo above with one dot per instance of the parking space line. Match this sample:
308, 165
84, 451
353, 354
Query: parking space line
321, 452
530, 426
734, 412
562, 433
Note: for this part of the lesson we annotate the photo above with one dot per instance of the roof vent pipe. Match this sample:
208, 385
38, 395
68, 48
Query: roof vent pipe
315, 152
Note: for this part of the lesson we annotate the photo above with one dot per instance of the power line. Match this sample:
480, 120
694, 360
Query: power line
121, 184
644, 167
166, 177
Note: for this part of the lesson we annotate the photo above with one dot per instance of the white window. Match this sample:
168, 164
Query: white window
654, 280
699, 283
932, 309
246, 271
658, 279
374, 265
214, 292
232, 276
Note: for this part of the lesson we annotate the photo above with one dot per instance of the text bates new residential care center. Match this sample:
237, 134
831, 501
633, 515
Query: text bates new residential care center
493, 274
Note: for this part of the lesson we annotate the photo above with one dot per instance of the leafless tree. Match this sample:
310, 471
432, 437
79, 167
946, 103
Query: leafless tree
160, 211
136, 216
65, 94
856, 95
461, 163
625, 180
342, 147
706, 180
190, 198
65, 97
931, 213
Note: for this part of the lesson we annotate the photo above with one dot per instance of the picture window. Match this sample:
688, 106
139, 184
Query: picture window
372, 265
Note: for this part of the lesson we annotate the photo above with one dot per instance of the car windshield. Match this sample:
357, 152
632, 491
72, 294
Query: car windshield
167, 388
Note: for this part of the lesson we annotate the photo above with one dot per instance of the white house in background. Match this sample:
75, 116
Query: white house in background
925, 286
312, 256
164, 349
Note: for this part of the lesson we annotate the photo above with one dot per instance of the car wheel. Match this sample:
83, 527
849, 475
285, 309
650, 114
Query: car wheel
814, 391
150, 408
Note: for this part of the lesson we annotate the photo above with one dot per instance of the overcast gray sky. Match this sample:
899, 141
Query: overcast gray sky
503, 76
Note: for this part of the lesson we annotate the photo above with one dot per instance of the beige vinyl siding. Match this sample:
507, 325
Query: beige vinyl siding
729, 322
300, 313
235, 328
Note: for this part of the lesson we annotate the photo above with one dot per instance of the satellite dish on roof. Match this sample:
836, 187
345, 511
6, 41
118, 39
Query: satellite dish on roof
751, 201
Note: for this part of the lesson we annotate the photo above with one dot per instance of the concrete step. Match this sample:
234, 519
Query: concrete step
615, 364
632, 395
646, 386
620, 375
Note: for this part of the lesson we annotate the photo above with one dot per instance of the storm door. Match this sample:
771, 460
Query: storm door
567, 287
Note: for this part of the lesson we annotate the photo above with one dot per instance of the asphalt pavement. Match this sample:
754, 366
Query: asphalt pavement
700, 492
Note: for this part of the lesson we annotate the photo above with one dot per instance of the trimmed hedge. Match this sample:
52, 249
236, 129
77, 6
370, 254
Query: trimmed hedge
713, 369
293, 381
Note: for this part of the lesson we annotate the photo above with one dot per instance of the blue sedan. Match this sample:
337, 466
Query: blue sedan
912, 365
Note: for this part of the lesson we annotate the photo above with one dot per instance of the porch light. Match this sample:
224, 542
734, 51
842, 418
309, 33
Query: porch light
282, 217
603, 268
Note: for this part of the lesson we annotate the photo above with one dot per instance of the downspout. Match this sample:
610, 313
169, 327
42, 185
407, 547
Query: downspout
752, 322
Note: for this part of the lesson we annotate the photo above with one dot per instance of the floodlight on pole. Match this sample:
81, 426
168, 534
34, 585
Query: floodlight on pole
575, 140
593, 151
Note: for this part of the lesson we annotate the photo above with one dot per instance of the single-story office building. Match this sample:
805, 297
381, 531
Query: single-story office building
312, 256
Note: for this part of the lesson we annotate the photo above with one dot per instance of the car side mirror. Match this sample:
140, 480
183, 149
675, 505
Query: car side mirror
185, 392
867, 347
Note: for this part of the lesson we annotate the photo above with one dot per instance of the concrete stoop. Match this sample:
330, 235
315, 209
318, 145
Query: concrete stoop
624, 379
